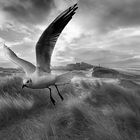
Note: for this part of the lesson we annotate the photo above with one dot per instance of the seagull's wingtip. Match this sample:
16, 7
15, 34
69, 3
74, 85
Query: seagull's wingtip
76, 5
2, 43
4, 46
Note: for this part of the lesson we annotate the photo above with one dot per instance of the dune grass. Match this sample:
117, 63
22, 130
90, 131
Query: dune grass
92, 110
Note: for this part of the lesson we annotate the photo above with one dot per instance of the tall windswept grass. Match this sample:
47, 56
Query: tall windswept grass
92, 110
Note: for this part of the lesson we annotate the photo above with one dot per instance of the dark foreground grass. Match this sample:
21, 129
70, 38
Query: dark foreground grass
91, 110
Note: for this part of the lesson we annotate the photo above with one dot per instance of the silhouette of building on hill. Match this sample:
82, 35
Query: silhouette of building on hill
79, 66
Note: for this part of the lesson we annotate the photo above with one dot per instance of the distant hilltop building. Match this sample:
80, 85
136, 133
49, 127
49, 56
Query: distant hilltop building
76, 66
79, 66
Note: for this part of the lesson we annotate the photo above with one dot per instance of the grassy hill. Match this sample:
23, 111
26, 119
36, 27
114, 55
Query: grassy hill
9, 71
102, 72
92, 109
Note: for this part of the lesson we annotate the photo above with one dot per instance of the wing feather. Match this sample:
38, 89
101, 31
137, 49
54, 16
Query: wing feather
27, 66
47, 41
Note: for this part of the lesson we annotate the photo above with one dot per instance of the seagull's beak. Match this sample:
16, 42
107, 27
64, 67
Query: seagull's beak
23, 86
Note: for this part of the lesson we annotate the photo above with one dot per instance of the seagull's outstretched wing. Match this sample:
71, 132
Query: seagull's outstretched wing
47, 41
27, 66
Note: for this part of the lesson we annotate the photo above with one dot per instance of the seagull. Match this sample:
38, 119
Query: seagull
39, 76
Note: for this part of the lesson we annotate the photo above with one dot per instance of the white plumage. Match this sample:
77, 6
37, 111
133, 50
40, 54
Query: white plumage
40, 76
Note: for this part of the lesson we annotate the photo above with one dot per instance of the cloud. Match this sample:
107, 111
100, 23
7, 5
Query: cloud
28, 11
102, 32
106, 15
113, 49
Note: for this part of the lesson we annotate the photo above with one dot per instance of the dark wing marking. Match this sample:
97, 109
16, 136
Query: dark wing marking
47, 41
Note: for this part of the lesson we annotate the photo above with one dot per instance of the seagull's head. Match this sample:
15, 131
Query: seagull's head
27, 83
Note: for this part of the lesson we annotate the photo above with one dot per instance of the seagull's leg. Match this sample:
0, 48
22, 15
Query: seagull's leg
53, 101
59, 93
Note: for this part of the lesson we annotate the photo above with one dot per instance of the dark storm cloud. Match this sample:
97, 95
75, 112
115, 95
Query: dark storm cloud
28, 11
110, 14
102, 32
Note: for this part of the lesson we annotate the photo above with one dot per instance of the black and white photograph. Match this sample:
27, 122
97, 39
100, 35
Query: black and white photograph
69, 69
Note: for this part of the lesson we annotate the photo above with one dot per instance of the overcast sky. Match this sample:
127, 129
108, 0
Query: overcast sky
105, 32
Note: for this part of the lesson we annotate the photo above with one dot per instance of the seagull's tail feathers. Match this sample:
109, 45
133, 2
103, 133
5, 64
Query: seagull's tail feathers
64, 78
